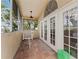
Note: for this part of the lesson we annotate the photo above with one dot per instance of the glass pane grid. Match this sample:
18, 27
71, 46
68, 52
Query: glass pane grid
73, 52
45, 30
52, 30
70, 31
66, 48
73, 47
42, 30
66, 40
73, 42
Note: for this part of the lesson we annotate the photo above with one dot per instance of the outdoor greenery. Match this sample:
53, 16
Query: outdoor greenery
14, 26
66, 49
5, 15
6, 30
27, 25
5, 18
14, 22
35, 24
5, 12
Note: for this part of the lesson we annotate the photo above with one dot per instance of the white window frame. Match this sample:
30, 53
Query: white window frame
69, 45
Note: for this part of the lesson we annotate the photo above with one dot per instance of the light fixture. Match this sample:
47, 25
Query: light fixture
31, 21
31, 15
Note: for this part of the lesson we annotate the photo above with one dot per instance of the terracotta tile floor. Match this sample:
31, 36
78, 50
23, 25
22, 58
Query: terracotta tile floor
38, 50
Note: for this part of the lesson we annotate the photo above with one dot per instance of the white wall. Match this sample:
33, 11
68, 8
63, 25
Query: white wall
59, 26
36, 34
9, 44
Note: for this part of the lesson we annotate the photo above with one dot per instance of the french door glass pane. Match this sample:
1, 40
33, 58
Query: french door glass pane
66, 31
53, 36
45, 30
54, 23
70, 31
73, 52
41, 29
52, 30
66, 24
66, 40
73, 42
73, 17
73, 32
66, 48
53, 42
73, 22
51, 39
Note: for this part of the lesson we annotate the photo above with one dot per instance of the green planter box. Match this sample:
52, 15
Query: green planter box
61, 54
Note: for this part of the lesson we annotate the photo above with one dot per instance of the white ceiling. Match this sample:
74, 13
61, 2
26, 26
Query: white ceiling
36, 6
